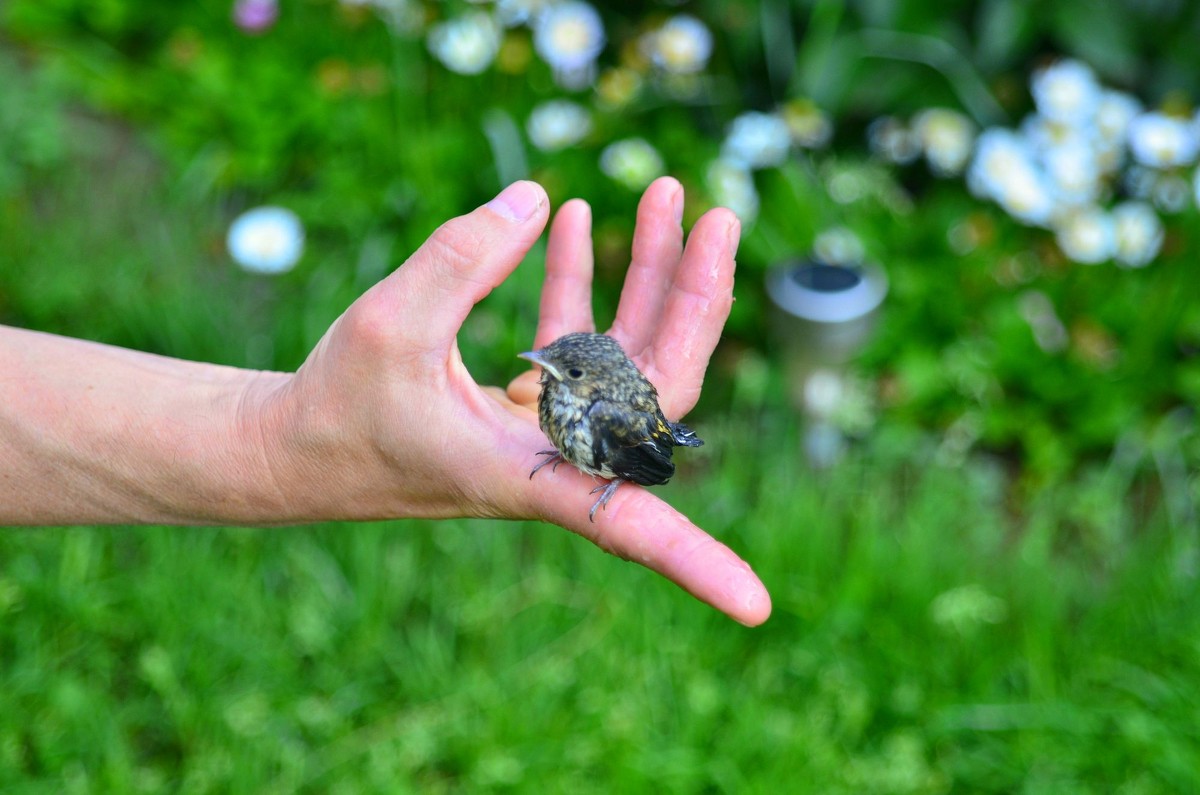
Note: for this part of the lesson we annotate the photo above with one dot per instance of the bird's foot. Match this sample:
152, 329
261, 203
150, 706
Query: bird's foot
555, 458
609, 490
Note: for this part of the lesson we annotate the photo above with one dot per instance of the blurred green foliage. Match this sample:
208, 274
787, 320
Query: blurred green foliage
360, 130
923, 641
936, 630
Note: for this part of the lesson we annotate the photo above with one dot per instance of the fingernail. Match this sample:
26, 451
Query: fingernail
735, 236
518, 202
677, 205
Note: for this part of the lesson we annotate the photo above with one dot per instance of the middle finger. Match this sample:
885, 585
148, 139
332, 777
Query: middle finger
657, 249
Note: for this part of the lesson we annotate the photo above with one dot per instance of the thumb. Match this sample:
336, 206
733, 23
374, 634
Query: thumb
463, 260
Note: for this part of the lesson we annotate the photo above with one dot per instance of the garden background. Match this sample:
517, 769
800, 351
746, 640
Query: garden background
994, 589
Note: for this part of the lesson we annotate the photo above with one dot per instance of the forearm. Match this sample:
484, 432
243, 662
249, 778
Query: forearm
90, 433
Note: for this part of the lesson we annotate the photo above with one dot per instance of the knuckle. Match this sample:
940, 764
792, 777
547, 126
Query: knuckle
370, 322
455, 250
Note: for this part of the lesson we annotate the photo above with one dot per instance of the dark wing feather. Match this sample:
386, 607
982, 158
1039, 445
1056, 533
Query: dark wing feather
634, 445
684, 436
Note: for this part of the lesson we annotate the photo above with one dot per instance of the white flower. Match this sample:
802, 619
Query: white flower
1074, 173
1042, 133
757, 140
1067, 91
1087, 235
1027, 195
946, 136
1170, 192
893, 140
997, 152
1004, 170
568, 36
965, 608
466, 45
1113, 115
1162, 141
811, 127
682, 46
633, 162
517, 12
1048, 330
557, 124
839, 246
732, 186
617, 87
1139, 233
823, 393
266, 240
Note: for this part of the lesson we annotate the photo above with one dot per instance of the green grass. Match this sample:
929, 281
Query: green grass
938, 627
922, 641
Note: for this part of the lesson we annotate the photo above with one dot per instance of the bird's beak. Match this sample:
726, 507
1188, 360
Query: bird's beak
540, 360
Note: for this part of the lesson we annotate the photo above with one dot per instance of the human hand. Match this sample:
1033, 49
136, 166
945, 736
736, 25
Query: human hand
385, 417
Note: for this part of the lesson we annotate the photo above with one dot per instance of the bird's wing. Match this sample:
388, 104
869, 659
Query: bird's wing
684, 436
634, 445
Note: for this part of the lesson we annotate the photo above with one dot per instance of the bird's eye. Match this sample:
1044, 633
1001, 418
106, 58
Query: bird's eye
575, 372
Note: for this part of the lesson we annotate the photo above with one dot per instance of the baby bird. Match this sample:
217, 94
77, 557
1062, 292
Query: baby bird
602, 415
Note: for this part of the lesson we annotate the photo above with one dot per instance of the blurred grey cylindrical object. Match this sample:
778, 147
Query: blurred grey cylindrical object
822, 314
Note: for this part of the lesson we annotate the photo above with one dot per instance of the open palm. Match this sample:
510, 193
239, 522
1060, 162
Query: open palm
438, 444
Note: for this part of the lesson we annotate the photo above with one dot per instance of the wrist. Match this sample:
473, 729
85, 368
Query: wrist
251, 477
310, 463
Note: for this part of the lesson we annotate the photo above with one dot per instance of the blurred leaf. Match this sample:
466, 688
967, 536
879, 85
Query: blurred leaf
340, 113
824, 65
1099, 33
1004, 29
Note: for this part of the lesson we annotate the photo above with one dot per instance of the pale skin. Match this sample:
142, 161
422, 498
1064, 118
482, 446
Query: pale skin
382, 420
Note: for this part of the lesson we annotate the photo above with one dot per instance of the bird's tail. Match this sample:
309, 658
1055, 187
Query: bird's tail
684, 436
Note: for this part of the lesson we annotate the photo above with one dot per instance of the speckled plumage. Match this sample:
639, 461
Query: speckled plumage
602, 415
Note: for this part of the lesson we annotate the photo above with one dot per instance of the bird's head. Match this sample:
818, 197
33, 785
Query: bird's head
580, 360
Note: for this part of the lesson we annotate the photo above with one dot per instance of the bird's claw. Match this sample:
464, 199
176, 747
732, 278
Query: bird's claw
609, 490
555, 458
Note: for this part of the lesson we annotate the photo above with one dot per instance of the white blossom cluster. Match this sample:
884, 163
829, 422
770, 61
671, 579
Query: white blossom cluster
754, 141
569, 36
672, 53
1090, 164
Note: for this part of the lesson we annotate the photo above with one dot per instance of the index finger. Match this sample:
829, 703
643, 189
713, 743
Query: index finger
640, 527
